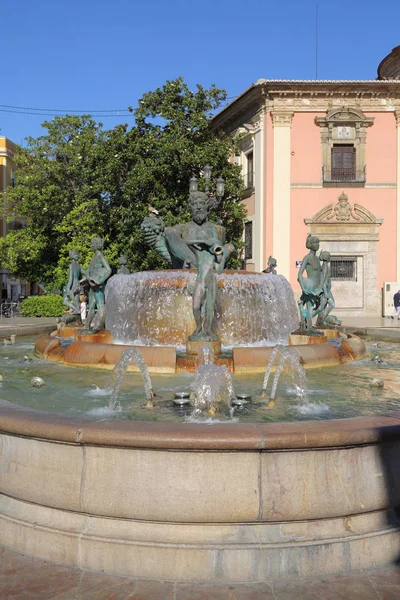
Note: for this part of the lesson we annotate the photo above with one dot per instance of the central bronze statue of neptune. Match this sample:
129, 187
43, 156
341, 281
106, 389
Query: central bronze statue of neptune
198, 244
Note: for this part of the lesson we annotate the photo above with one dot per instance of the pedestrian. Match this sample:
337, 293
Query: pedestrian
396, 302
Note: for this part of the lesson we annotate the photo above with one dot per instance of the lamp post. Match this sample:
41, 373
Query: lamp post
193, 183
220, 188
207, 175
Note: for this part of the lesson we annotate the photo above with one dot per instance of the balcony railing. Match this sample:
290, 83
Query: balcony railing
349, 175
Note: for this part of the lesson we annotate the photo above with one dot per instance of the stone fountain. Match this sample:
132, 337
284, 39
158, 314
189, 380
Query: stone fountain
170, 314
227, 502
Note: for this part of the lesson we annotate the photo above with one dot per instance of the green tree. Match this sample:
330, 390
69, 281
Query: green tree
173, 140
78, 181
57, 198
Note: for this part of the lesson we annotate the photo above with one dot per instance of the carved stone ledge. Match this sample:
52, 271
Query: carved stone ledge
282, 119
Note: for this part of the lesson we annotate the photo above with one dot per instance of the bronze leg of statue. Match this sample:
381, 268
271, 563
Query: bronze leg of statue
210, 306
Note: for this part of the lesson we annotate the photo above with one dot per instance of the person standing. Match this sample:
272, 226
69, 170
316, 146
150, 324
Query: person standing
396, 302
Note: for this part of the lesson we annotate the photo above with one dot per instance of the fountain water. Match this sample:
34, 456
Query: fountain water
155, 307
290, 359
119, 371
205, 356
213, 390
249, 502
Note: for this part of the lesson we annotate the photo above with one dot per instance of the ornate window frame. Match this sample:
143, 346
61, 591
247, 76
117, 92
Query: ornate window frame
340, 126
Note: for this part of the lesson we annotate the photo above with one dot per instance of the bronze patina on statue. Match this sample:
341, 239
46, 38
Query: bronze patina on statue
96, 276
72, 290
199, 244
316, 299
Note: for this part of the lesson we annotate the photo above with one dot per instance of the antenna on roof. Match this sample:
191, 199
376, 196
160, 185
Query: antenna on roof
316, 41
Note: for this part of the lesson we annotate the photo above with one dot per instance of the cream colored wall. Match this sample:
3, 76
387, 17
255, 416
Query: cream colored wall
281, 192
268, 188
249, 205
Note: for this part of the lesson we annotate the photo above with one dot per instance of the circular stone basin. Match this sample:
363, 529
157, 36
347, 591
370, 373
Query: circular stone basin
189, 502
99, 351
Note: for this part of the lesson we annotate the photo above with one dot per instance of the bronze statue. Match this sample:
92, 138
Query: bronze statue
310, 303
324, 318
71, 295
123, 270
96, 275
198, 243
272, 264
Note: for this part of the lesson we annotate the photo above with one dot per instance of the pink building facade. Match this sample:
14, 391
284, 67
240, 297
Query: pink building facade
304, 144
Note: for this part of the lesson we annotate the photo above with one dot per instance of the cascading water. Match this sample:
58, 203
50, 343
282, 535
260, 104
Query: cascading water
155, 308
289, 358
119, 372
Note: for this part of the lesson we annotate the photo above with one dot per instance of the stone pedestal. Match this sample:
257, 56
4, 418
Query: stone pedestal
296, 339
193, 347
101, 337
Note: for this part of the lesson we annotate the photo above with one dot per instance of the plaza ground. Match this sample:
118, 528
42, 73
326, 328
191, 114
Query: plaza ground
26, 578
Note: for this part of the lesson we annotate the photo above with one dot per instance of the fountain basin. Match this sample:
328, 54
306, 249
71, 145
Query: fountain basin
190, 502
155, 307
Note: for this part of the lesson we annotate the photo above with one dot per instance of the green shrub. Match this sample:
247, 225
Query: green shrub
42, 306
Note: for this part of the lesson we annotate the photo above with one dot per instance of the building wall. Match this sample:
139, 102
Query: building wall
381, 202
308, 195
10, 287
381, 149
268, 187
305, 149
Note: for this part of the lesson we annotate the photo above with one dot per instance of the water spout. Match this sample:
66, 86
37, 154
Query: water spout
205, 356
119, 372
213, 390
291, 360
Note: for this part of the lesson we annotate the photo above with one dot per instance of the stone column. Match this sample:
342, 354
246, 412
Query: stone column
281, 190
397, 116
258, 222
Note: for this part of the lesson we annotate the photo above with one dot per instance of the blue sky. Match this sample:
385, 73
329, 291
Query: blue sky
87, 54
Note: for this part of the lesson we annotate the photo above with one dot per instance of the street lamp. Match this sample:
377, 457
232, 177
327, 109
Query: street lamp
207, 175
193, 183
220, 188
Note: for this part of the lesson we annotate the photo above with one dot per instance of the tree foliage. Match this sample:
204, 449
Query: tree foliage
79, 180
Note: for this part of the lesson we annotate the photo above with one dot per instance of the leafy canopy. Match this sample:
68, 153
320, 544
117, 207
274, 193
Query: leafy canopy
78, 181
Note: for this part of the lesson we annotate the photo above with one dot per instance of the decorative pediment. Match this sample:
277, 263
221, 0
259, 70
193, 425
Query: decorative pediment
344, 212
344, 115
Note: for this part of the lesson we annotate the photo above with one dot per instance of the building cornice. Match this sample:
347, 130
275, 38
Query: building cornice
312, 96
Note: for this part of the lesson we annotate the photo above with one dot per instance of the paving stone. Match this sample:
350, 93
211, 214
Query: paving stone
188, 591
26, 578
354, 587
156, 590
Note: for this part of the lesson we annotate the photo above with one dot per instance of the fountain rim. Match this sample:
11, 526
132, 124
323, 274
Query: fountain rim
301, 435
